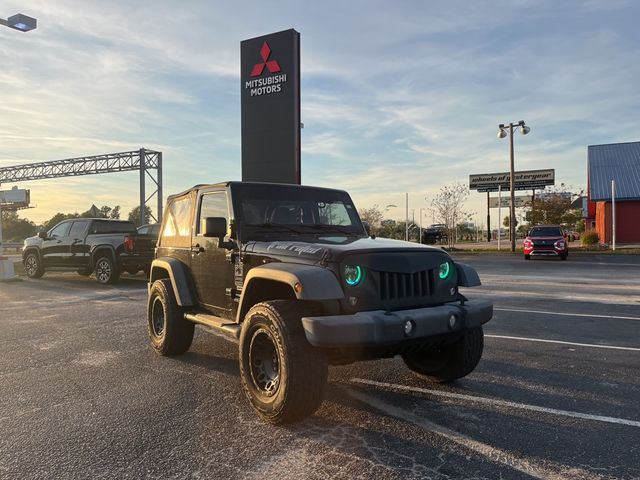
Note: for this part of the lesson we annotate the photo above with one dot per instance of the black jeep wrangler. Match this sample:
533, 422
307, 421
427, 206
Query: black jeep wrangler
290, 273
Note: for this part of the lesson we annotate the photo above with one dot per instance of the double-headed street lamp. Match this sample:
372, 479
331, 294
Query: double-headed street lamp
20, 22
502, 132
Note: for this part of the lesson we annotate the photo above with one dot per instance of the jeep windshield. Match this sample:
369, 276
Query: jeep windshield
265, 210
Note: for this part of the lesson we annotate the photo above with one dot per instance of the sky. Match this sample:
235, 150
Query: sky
401, 96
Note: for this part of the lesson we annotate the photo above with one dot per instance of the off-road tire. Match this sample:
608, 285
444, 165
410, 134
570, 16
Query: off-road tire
33, 266
450, 362
169, 333
106, 270
295, 378
527, 257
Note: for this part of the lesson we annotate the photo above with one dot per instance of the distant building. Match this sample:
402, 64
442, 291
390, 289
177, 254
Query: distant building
619, 162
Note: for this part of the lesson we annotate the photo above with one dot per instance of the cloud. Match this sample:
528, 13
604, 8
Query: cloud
395, 98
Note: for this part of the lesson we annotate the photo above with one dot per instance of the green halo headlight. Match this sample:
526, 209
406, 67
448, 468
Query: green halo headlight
353, 275
444, 271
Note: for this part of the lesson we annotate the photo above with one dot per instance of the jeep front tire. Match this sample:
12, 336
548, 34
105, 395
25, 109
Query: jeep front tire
450, 362
169, 332
282, 375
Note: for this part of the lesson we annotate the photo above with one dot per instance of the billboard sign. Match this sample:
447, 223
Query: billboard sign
15, 197
270, 107
523, 180
505, 201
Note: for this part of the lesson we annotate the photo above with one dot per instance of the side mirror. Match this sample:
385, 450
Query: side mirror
42, 235
214, 227
367, 228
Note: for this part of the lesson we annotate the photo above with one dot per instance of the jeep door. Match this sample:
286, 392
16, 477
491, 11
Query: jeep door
213, 273
55, 248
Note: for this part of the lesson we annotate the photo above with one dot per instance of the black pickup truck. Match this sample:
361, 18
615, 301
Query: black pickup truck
89, 245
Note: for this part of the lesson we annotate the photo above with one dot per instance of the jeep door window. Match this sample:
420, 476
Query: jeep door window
177, 227
213, 205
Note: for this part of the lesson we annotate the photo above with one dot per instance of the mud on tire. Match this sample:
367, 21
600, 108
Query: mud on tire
282, 375
451, 361
169, 332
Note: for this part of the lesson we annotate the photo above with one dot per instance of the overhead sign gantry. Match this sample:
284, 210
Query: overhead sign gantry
143, 160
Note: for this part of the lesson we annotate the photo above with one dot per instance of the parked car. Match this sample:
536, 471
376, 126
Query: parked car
289, 273
88, 245
546, 240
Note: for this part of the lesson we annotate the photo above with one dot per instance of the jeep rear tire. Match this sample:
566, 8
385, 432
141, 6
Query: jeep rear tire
450, 362
169, 332
106, 270
33, 267
282, 375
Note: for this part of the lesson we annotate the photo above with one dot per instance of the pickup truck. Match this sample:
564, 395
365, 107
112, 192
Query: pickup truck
89, 245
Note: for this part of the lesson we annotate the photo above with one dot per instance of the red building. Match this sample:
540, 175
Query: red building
620, 163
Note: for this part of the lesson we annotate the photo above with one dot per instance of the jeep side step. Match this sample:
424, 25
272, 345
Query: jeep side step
229, 329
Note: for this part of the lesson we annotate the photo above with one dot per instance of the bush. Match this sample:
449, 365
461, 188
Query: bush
589, 239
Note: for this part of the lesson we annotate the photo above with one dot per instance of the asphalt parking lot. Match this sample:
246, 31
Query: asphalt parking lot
557, 394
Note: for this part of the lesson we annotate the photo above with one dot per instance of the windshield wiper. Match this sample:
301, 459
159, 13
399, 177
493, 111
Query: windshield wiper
278, 226
333, 228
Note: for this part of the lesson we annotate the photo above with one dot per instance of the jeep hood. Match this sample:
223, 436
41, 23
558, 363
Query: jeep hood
319, 249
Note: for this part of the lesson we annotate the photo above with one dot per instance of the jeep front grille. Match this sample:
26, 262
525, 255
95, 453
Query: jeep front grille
404, 286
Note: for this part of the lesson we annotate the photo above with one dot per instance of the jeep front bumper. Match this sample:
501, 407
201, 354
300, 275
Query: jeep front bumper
378, 328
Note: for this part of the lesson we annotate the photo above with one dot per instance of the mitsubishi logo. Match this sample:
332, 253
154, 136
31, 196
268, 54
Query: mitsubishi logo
272, 65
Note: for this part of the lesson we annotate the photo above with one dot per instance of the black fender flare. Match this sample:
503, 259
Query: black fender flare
467, 275
177, 274
307, 282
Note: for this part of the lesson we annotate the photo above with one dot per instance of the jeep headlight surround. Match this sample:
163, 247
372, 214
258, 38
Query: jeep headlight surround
353, 275
445, 270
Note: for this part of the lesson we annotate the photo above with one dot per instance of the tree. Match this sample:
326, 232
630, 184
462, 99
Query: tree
554, 208
57, 218
373, 216
134, 216
447, 208
16, 228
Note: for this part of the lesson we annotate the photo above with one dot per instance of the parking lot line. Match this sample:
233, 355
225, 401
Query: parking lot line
497, 402
594, 345
564, 314
529, 467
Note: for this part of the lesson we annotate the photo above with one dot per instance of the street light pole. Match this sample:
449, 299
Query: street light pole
512, 210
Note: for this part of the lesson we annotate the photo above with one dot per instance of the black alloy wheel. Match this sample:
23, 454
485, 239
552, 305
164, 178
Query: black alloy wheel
263, 362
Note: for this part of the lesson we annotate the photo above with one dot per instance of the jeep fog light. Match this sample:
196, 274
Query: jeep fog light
353, 301
353, 275
445, 270
452, 291
452, 321
408, 327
